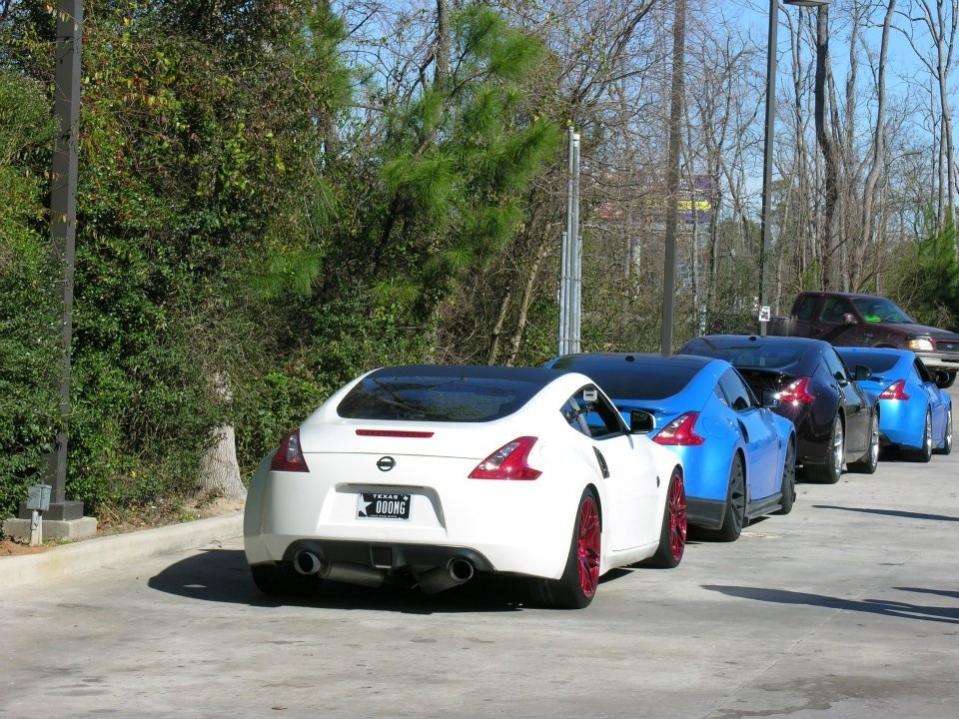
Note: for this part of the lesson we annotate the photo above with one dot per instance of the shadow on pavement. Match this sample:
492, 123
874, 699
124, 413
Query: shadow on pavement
903, 610
891, 513
222, 575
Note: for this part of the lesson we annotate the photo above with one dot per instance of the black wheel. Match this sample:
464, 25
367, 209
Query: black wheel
672, 536
946, 447
577, 587
952, 378
279, 580
870, 460
924, 453
829, 472
734, 518
788, 485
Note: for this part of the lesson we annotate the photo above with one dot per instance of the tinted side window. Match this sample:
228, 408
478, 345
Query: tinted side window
589, 412
738, 395
923, 372
806, 308
834, 308
834, 364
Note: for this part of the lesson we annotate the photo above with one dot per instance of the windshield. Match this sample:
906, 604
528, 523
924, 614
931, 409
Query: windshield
435, 398
875, 310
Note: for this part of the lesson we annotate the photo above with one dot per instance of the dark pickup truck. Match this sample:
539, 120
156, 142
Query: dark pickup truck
855, 320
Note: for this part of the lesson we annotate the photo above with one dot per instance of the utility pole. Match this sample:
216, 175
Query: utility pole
63, 228
672, 178
571, 274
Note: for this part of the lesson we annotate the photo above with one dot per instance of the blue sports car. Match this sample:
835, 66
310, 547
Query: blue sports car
739, 457
914, 413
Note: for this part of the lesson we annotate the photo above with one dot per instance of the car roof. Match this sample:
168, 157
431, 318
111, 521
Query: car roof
534, 375
903, 354
632, 359
846, 295
728, 341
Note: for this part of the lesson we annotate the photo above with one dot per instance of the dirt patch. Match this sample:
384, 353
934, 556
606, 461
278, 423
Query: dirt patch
160, 515
10, 548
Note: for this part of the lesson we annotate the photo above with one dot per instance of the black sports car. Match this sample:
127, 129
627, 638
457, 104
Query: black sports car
806, 381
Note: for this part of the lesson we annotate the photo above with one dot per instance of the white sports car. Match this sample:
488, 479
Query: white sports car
424, 475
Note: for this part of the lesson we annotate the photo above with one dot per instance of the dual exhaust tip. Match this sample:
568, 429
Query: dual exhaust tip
457, 571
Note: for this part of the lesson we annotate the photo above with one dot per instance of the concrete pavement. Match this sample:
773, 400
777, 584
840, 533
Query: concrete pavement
848, 607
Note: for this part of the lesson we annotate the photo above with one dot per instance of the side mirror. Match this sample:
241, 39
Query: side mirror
740, 404
841, 378
641, 422
862, 372
943, 379
850, 319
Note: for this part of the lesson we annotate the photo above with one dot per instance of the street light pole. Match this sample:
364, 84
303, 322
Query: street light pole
772, 44
768, 150
63, 226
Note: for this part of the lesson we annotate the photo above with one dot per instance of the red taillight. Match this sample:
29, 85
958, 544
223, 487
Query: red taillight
393, 433
797, 392
681, 432
289, 457
508, 462
897, 390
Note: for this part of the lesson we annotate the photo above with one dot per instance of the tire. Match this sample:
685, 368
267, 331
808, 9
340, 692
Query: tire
830, 472
924, 453
577, 587
870, 460
672, 536
280, 580
734, 518
946, 447
788, 485
952, 378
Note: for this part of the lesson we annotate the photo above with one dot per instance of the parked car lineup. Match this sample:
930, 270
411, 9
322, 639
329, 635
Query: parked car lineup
424, 476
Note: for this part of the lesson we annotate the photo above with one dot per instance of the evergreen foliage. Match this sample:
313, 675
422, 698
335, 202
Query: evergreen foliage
230, 226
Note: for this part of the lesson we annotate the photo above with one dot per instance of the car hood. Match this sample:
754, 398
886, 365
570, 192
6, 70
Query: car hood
934, 332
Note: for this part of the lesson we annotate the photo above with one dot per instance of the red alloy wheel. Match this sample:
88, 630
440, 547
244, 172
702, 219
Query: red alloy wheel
588, 544
677, 517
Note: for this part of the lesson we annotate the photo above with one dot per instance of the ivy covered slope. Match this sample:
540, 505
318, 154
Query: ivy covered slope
28, 335
243, 247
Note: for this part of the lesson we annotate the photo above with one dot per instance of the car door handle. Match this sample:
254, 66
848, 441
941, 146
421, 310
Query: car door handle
601, 460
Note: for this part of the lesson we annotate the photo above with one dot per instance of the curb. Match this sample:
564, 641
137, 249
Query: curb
88, 556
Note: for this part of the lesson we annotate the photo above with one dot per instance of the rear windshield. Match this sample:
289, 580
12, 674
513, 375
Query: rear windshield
435, 398
638, 382
875, 362
753, 356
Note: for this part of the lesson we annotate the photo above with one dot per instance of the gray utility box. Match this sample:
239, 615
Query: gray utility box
38, 497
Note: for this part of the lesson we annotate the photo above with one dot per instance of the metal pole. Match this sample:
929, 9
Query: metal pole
63, 220
563, 295
672, 179
768, 151
576, 252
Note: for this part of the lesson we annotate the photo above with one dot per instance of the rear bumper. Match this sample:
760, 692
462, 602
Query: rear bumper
387, 555
948, 361
705, 513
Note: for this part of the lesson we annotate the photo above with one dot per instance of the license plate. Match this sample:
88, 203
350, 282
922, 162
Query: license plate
380, 505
